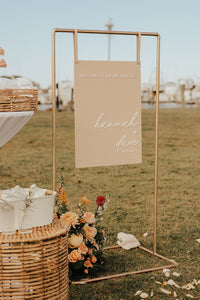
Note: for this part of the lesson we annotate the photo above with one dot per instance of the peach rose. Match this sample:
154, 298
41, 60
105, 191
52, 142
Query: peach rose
88, 264
70, 218
89, 217
74, 256
75, 240
94, 259
85, 200
90, 231
83, 248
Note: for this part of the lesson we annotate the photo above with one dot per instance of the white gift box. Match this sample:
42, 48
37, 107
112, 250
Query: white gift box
14, 214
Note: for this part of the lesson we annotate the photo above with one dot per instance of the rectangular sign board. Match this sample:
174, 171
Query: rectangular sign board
107, 113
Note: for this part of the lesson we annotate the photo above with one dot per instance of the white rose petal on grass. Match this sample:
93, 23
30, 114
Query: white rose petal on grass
190, 296
166, 272
175, 294
164, 291
144, 295
145, 234
158, 282
152, 277
172, 282
195, 282
176, 274
188, 286
151, 295
198, 240
138, 293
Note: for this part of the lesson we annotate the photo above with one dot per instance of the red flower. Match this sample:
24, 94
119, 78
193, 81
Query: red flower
100, 200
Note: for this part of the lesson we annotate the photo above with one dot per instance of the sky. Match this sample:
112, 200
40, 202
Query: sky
26, 26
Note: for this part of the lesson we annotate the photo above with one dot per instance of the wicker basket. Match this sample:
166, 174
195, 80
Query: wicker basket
34, 265
18, 100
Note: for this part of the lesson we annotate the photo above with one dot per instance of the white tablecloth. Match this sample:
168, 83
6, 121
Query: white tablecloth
11, 123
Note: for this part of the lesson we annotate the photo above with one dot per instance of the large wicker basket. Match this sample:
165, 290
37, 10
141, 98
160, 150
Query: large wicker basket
34, 265
18, 100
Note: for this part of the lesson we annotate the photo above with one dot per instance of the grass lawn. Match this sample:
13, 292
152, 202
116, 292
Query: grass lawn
27, 159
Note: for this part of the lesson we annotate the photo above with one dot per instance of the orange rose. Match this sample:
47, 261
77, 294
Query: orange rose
74, 256
83, 248
89, 217
70, 218
90, 231
85, 200
88, 264
94, 259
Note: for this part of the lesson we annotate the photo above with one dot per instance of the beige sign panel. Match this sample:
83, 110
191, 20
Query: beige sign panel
107, 113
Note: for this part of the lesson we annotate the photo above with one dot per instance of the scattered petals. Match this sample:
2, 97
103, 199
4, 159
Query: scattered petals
175, 294
164, 291
151, 295
198, 240
152, 277
166, 272
145, 234
172, 282
158, 282
165, 283
138, 293
144, 295
195, 282
188, 286
189, 296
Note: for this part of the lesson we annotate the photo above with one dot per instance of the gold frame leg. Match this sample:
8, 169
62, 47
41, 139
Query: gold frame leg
171, 265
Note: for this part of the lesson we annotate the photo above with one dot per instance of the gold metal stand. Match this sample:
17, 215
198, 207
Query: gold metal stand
155, 210
171, 265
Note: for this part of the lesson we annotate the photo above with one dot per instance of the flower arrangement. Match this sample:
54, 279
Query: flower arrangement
86, 236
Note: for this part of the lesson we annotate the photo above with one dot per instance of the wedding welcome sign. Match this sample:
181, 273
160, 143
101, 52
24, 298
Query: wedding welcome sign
107, 113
